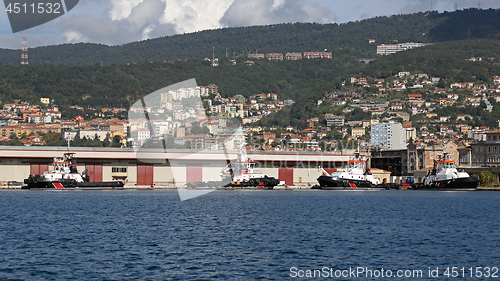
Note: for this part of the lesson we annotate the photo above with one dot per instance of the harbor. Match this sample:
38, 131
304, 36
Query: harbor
150, 167
122, 168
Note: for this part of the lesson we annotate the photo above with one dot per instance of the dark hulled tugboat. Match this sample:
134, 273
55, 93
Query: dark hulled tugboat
356, 177
445, 176
241, 173
65, 175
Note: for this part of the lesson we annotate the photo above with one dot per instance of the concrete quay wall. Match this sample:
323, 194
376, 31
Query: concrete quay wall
163, 168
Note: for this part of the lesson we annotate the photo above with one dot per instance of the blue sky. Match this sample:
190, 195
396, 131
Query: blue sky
115, 22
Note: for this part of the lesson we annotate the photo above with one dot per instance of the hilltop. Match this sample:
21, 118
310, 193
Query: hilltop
296, 37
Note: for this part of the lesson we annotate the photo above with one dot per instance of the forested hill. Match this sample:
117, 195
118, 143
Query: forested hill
448, 60
298, 37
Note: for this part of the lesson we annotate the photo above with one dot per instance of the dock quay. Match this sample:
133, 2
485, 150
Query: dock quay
172, 169
164, 169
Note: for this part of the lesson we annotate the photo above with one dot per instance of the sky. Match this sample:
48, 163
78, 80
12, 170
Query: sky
117, 22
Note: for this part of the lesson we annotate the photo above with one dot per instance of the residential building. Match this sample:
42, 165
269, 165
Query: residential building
256, 56
390, 49
139, 136
485, 153
388, 136
92, 134
334, 120
275, 56
317, 55
358, 132
293, 56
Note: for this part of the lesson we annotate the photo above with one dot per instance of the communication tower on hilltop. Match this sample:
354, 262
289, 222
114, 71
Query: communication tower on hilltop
24, 51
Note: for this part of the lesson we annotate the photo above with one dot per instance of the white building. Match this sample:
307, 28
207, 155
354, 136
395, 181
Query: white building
334, 120
139, 136
388, 136
390, 49
37, 119
161, 127
91, 134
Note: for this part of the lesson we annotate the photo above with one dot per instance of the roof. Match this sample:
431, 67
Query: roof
379, 171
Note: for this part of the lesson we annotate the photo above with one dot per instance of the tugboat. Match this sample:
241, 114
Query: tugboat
445, 176
241, 173
355, 177
65, 175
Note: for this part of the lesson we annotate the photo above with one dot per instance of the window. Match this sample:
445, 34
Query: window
119, 169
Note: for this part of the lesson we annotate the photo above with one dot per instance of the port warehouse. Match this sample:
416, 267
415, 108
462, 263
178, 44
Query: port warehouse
159, 167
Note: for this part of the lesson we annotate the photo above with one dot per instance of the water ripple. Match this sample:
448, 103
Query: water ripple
239, 235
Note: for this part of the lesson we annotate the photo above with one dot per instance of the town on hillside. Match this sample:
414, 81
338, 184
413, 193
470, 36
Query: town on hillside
378, 115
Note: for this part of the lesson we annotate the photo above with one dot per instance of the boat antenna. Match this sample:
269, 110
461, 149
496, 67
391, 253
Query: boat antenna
68, 143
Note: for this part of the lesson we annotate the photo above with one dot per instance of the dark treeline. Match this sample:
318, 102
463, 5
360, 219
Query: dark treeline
447, 60
305, 81
122, 85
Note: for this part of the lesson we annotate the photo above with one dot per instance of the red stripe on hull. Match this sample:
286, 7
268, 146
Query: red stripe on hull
57, 185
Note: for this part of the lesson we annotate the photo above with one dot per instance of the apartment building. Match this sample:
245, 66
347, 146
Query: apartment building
388, 136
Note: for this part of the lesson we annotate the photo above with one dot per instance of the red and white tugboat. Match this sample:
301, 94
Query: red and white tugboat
65, 175
241, 173
355, 177
445, 176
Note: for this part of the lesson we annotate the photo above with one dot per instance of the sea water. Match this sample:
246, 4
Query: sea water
247, 235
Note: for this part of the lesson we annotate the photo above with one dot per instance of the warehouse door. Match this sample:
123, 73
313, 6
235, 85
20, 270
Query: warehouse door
145, 174
38, 168
286, 174
94, 171
330, 170
194, 174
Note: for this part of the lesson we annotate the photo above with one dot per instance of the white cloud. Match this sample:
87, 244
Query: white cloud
195, 15
121, 9
277, 4
142, 21
121, 21
275, 11
73, 36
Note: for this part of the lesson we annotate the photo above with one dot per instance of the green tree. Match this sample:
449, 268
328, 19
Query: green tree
487, 178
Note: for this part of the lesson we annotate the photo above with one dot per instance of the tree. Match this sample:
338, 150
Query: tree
117, 141
487, 178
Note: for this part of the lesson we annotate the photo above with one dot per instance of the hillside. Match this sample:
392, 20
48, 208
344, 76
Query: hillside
121, 85
305, 81
298, 37
448, 60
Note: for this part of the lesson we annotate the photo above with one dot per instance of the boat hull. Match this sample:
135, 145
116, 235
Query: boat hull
33, 184
256, 183
326, 182
469, 183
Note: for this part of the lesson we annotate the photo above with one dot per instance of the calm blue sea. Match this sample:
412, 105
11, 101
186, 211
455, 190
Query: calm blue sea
245, 235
